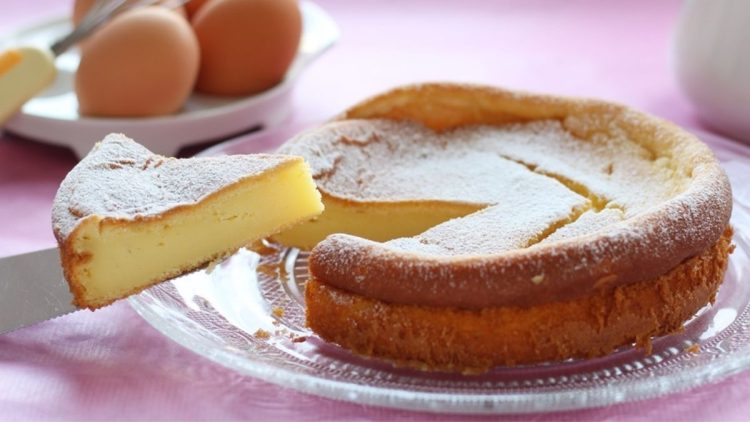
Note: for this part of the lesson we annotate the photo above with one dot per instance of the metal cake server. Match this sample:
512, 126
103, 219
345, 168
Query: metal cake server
32, 289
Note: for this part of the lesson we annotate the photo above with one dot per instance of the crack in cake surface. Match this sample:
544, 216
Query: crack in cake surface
596, 202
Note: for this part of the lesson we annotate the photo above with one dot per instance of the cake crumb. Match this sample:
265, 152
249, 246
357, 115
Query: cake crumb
262, 334
212, 266
644, 343
537, 279
605, 282
267, 270
693, 348
299, 339
262, 248
278, 311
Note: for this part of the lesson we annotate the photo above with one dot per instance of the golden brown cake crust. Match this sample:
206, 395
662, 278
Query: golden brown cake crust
445, 338
640, 248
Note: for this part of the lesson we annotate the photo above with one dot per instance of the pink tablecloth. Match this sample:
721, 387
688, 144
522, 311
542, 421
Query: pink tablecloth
112, 365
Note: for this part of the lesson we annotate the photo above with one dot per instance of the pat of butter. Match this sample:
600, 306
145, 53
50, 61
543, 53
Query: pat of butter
24, 72
9, 59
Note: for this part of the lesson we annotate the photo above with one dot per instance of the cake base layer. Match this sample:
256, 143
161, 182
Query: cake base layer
459, 340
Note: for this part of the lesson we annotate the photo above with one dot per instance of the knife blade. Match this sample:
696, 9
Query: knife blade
32, 289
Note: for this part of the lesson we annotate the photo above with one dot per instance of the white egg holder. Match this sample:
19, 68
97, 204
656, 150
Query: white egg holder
52, 117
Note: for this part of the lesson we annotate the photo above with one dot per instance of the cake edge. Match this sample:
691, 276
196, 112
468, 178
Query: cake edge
473, 341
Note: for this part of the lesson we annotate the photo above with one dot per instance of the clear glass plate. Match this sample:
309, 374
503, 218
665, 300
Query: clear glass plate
247, 313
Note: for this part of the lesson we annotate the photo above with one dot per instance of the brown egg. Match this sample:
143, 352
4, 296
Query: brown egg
192, 6
142, 63
246, 45
81, 7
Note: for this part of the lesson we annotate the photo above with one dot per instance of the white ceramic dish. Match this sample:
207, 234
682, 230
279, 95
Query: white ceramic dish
218, 314
52, 117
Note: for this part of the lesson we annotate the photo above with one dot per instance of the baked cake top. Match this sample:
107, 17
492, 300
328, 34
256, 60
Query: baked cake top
536, 180
123, 180
577, 195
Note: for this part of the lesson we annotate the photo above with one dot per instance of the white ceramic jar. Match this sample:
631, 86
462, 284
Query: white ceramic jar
712, 62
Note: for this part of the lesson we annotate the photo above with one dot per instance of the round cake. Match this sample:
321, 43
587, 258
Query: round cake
468, 227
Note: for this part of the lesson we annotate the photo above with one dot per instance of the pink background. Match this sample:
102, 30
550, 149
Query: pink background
112, 365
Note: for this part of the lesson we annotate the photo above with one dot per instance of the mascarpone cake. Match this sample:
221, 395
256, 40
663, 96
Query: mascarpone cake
468, 227
126, 218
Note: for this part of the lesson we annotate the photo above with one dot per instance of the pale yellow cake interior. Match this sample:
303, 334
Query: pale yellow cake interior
375, 221
150, 250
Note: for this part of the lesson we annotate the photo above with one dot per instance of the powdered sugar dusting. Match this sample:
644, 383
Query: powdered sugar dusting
536, 178
121, 179
510, 223
589, 222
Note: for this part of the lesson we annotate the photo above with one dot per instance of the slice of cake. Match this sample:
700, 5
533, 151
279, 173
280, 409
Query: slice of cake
126, 219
